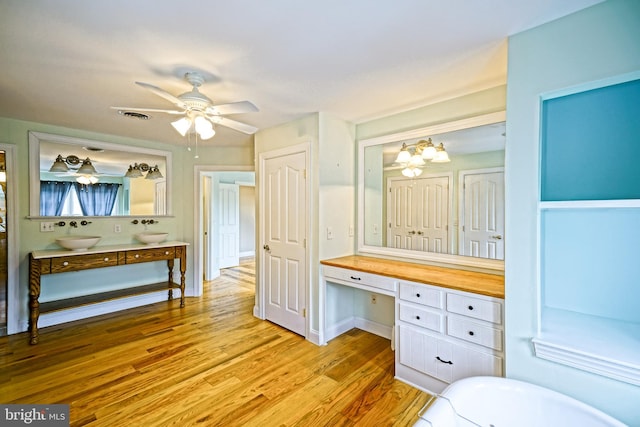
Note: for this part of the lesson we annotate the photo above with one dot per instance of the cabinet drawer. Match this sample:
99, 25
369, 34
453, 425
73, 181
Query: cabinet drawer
360, 278
146, 255
477, 308
421, 317
83, 262
443, 359
421, 294
474, 332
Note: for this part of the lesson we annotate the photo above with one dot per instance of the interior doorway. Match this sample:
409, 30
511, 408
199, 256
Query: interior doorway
9, 313
4, 262
226, 222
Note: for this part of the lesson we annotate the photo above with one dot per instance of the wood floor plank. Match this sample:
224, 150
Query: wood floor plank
211, 363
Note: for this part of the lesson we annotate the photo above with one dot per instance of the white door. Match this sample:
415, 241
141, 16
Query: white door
229, 228
283, 183
418, 213
483, 222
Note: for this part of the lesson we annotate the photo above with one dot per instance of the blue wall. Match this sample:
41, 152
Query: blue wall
595, 44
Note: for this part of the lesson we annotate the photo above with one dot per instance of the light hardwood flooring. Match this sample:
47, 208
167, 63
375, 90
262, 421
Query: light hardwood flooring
211, 363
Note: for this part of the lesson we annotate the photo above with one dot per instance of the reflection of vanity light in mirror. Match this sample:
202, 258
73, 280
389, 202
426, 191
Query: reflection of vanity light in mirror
51, 166
412, 157
86, 171
136, 170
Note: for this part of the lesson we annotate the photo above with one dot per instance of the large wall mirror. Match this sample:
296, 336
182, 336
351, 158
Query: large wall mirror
435, 193
80, 177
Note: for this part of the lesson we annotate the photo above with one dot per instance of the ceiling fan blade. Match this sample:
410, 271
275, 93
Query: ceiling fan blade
164, 94
232, 124
149, 110
232, 108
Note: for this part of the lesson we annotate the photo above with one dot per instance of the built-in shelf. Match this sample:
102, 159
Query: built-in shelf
590, 204
596, 344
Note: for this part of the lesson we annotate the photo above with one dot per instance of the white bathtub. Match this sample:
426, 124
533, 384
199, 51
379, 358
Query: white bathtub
503, 402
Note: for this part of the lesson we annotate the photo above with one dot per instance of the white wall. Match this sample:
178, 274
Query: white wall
590, 45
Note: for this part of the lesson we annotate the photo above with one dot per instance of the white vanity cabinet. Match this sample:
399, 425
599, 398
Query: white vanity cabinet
444, 335
449, 323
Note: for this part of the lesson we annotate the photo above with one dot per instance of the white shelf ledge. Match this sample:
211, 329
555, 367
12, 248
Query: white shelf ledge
606, 347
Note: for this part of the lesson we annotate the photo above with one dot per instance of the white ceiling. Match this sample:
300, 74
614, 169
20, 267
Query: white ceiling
66, 62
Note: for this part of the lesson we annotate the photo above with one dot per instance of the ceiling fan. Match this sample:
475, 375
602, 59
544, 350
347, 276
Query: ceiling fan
198, 111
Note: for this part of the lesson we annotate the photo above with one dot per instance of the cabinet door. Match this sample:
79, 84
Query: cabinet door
443, 359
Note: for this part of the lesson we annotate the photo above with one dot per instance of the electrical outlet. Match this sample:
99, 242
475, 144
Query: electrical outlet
374, 299
351, 231
46, 227
375, 228
117, 228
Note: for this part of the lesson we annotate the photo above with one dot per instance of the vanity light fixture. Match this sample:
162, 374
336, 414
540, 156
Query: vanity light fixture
136, 171
154, 173
411, 157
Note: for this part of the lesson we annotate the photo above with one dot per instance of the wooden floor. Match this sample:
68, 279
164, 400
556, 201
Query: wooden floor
211, 364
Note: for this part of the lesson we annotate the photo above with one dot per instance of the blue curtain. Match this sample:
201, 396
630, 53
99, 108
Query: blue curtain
52, 196
96, 199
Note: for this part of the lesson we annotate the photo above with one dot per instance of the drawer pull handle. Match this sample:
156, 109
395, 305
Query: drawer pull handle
448, 362
470, 307
356, 278
137, 256
65, 263
166, 252
471, 333
417, 295
417, 317
106, 259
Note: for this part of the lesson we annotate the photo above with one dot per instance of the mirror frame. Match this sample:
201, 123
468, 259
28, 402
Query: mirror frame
34, 166
485, 263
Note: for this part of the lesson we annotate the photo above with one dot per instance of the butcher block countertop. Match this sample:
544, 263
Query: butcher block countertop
462, 280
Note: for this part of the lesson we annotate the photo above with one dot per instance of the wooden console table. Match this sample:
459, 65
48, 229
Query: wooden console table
62, 261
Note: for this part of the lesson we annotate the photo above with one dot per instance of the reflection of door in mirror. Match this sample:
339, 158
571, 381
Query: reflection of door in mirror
417, 213
482, 232
4, 282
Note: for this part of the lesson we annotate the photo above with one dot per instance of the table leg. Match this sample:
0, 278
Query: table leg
34, 304
183, 270
170, 281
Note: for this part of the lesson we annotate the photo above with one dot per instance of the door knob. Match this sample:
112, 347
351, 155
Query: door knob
412, 232
497, 237
266, 248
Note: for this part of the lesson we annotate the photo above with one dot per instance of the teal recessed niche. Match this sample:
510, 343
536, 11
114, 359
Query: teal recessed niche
590, 147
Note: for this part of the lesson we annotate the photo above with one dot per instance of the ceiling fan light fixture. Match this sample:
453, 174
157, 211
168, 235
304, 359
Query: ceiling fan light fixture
204, 127
182, 125
87, 179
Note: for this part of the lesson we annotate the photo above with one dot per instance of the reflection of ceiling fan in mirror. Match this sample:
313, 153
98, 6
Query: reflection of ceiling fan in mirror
198, 111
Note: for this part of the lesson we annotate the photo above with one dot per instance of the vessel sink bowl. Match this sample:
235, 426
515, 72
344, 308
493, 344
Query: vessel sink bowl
151, 237
77, 243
